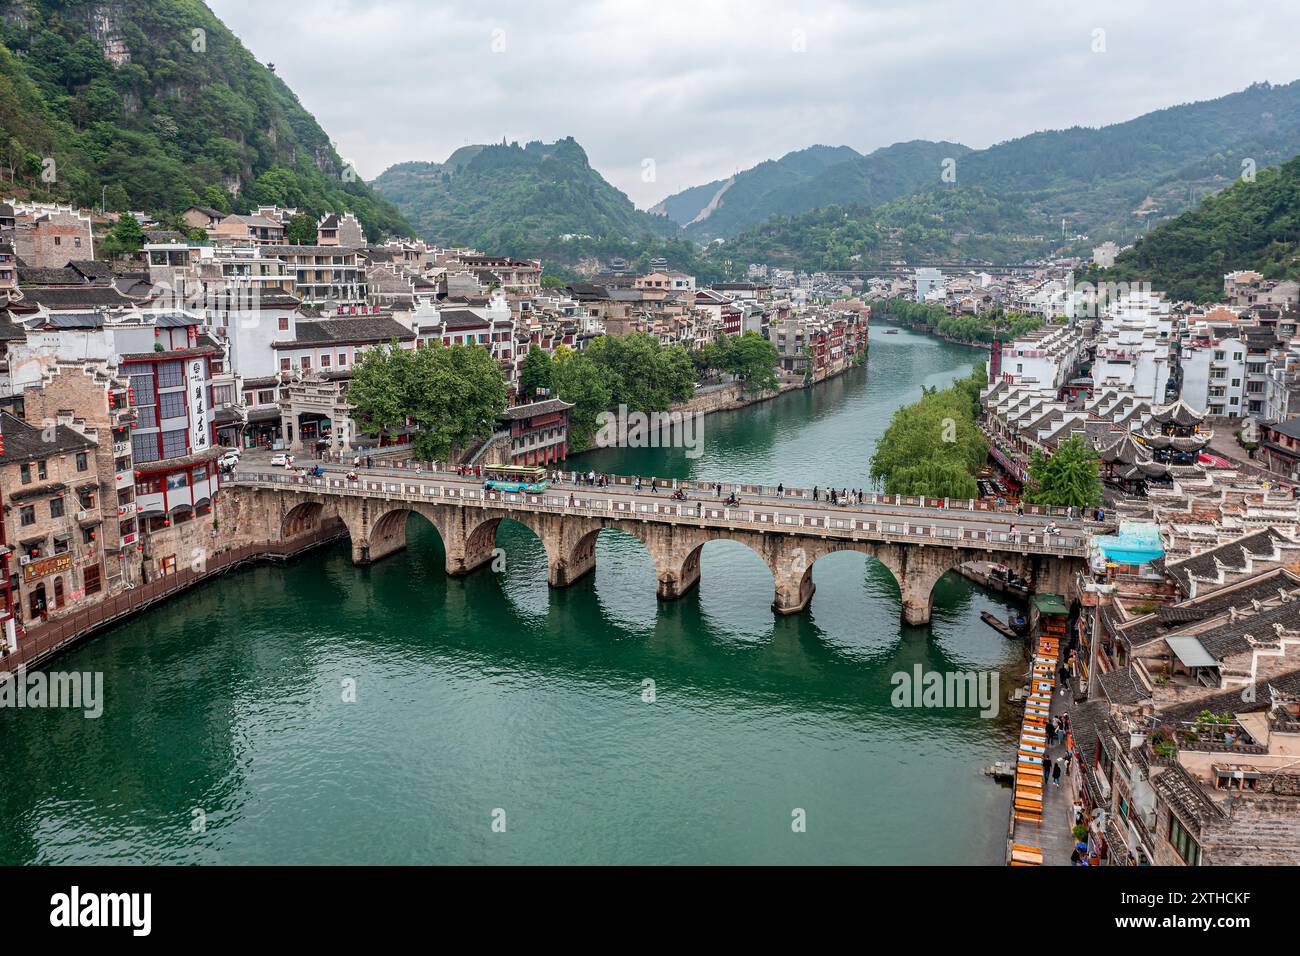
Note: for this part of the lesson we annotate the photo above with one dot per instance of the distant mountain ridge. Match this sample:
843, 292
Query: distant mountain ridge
1096, 179
791, 169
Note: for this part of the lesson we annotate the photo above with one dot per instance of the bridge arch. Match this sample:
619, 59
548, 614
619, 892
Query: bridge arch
580, 547
917, 570
378, 529
680, 567
302, 518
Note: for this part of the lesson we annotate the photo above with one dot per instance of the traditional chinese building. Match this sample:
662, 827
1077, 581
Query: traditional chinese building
1174, 434
1128, 465
538, 433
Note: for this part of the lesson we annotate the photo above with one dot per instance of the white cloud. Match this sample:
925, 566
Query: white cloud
705, 88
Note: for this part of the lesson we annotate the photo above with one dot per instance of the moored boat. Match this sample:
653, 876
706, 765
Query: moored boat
1001, 627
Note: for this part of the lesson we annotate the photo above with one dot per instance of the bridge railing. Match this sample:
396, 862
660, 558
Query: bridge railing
852, 525
1081, 517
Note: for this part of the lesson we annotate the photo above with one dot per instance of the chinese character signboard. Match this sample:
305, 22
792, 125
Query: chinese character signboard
199, 411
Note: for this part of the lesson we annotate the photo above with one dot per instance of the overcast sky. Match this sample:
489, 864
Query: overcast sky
705, 88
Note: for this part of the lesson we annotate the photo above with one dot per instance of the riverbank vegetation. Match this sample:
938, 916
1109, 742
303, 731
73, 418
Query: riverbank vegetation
749, 357
934, 447
992, 326
443, 396
636, 371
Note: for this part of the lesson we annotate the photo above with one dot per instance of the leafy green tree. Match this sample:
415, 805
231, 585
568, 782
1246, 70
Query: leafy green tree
447, 396
577, 379
1069, 477
641, 372
535, 373
378, 389
115, 198
938, 430
452, 417
934, 478
752, 358
125, 238
216, 198
301, 230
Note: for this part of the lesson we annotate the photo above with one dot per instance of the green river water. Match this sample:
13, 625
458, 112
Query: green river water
492, 698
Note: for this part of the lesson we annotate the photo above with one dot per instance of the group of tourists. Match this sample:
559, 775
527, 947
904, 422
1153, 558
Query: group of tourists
588, 478
842, 497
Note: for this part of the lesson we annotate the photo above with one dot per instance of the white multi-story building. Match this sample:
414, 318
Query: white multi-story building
1133, 346
926, 282
1214, 375
1043, 359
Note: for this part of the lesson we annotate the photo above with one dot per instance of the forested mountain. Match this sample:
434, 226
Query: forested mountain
746, 192
794, 184
541, 200
1251, 225
155, 105
947, 223
1104, 182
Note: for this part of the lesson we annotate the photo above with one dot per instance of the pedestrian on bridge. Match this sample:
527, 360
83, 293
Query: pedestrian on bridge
780, 491
816, 492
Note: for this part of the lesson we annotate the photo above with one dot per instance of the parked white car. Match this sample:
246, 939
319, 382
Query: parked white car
229, 460
280, 460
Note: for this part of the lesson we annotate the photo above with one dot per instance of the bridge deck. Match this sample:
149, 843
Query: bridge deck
877, 520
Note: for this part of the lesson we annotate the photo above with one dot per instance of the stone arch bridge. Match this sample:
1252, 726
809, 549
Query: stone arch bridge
790, 533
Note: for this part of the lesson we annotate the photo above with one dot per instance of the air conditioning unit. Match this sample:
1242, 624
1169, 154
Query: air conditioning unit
83, 515
24, 559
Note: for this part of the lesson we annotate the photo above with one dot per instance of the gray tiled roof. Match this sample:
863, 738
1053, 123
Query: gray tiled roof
1154, 626
1123, 686
24, 442
333, 331
1232, 702
1232, 555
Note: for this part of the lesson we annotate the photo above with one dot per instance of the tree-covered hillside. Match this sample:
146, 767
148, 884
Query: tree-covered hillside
747, 195
809, 179
156, 105
542, 200
1252, 225
949, 223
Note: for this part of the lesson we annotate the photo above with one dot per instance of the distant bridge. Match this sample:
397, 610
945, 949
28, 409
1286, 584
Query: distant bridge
919, 540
